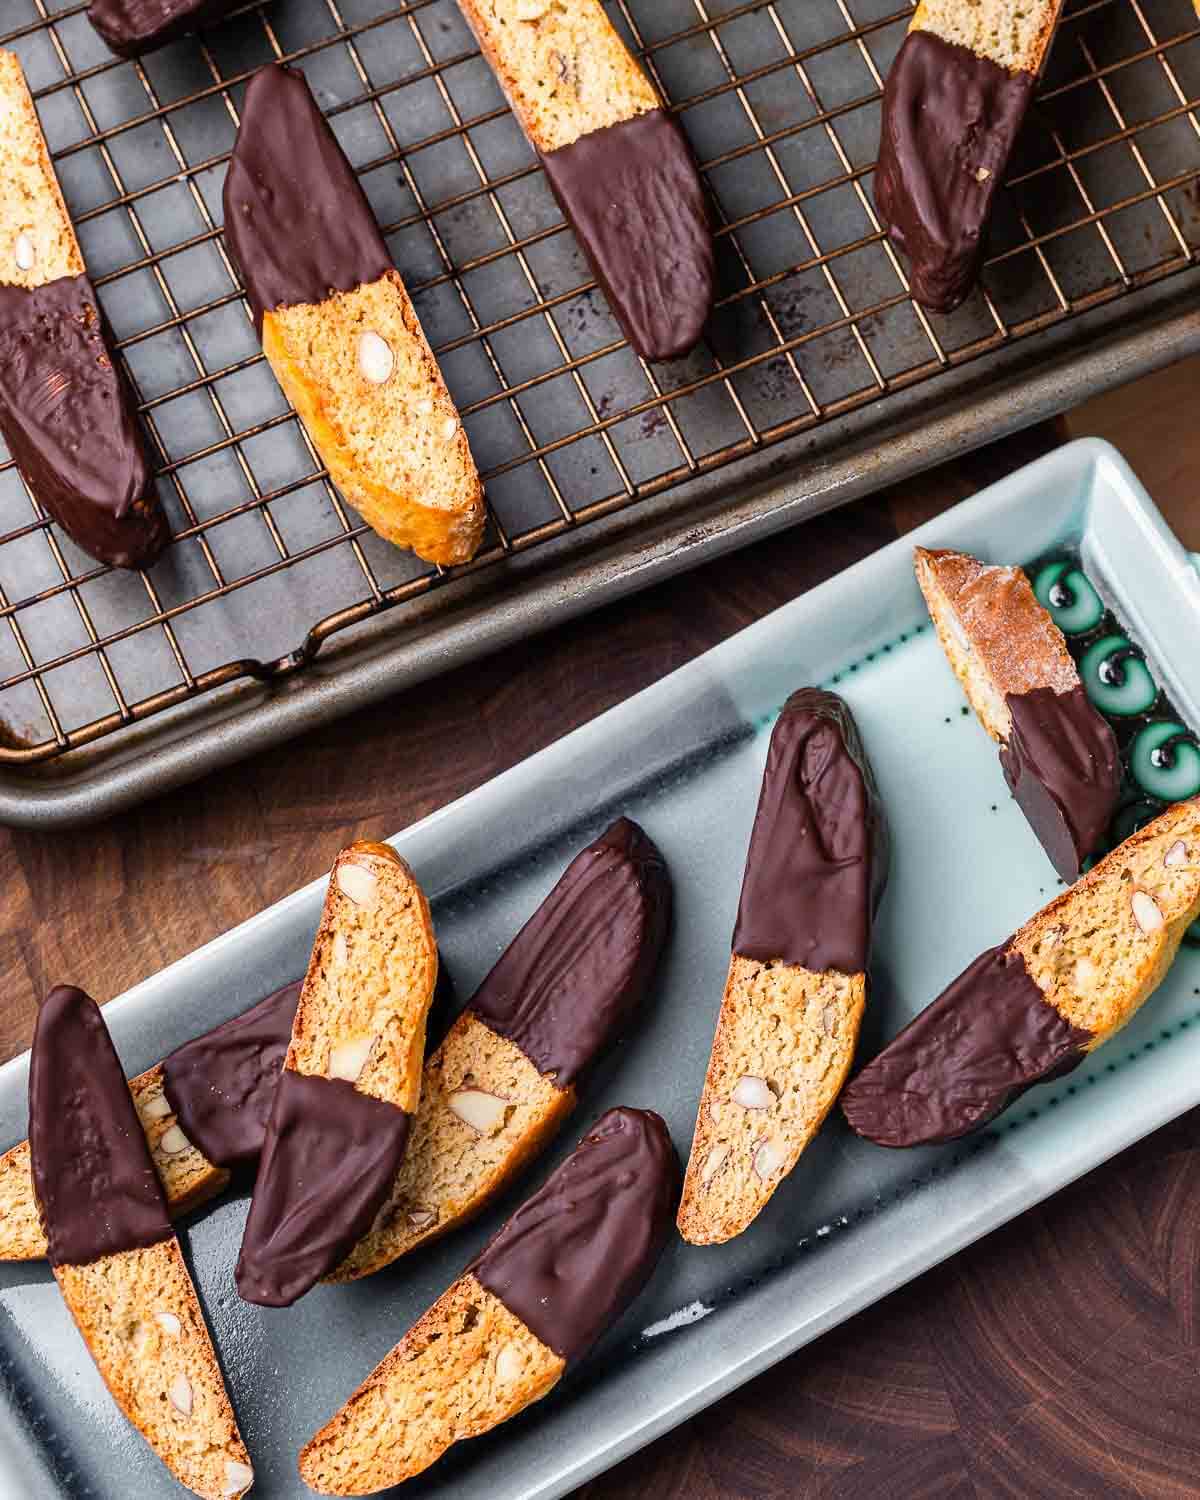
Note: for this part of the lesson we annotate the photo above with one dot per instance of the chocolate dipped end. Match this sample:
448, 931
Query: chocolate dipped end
1062, 765
328, 1162
987, 1038
576, 1254
297, 221
222, 1085
632, 194
96, 1186
132, 27
818, 857
572, 978
67, 414
950, 121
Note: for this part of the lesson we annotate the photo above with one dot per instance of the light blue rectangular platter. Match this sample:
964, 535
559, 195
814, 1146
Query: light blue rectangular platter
853, 1222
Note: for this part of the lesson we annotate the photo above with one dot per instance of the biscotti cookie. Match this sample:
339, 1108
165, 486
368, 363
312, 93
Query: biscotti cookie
66, 410
497, 1089
1032, 1008
339, 329
203, 1110
1058, 754
351, 1080
132, 27
797, 980
617, 162
564, 1267
115, 1256
953, 105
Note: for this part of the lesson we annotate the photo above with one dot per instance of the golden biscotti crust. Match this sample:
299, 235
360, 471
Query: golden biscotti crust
188, 1177
1016, 34
141, 1320
1102, 948
485, 1112
38, 243
467, 1365
784, 1044
394, 446
563, 68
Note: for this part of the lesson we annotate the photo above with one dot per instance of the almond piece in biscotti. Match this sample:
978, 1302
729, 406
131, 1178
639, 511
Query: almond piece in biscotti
498, 1087
563, 1267
796, 987
1033, 1008
115, 1257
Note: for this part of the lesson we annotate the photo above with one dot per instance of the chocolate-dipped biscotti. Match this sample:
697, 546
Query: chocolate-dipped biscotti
1032, 1008
953, 105
203, 1111
131, 27
497, 1089
564, 1267
351, 1079
1058, 754
115, 1256
797, 982
339, 329
67, 412
617, 162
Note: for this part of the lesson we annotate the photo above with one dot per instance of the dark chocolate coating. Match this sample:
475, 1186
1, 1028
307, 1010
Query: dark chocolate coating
576, 1254
297, 222
131, 27
329, 1159
68, 416
93, 1178
573, 976
950, 121
1062, 765
818, 855
632, 195
987, 1038
222, 1084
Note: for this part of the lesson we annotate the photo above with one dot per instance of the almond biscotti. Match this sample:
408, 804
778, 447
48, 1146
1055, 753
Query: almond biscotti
617, 162
497, 1089
953, 105
339, 329
115, 1257
67, 412
564, 1267
134, 27
1058, 754
796, 989
351, 1080
1035, 1006
203, 1111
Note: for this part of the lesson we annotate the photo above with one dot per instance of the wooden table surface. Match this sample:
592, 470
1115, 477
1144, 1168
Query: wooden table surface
1057, 1358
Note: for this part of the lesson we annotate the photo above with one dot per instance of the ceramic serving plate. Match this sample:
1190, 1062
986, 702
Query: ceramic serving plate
854, 1221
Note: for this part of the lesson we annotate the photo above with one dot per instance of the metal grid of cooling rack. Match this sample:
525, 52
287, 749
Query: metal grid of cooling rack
814, 321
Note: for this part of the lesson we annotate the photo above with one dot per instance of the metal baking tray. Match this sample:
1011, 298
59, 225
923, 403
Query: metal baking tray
853, 1221
274, 609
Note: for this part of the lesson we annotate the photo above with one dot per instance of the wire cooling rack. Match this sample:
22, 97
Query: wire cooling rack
814, 332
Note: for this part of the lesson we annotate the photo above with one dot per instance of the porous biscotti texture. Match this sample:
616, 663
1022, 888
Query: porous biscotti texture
995, 634
784, 1043
466, 1366
485, 1112
562, 66
1014, 33
141, 1320
394, 446
1102, 948
187, 1176
370, 980
37, 240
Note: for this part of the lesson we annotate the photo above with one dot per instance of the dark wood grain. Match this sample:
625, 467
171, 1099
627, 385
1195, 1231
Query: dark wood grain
1057, 1358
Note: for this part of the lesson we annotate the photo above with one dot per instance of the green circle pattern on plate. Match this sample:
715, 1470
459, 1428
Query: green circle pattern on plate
1117, 679
1074, 605
1164, 760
